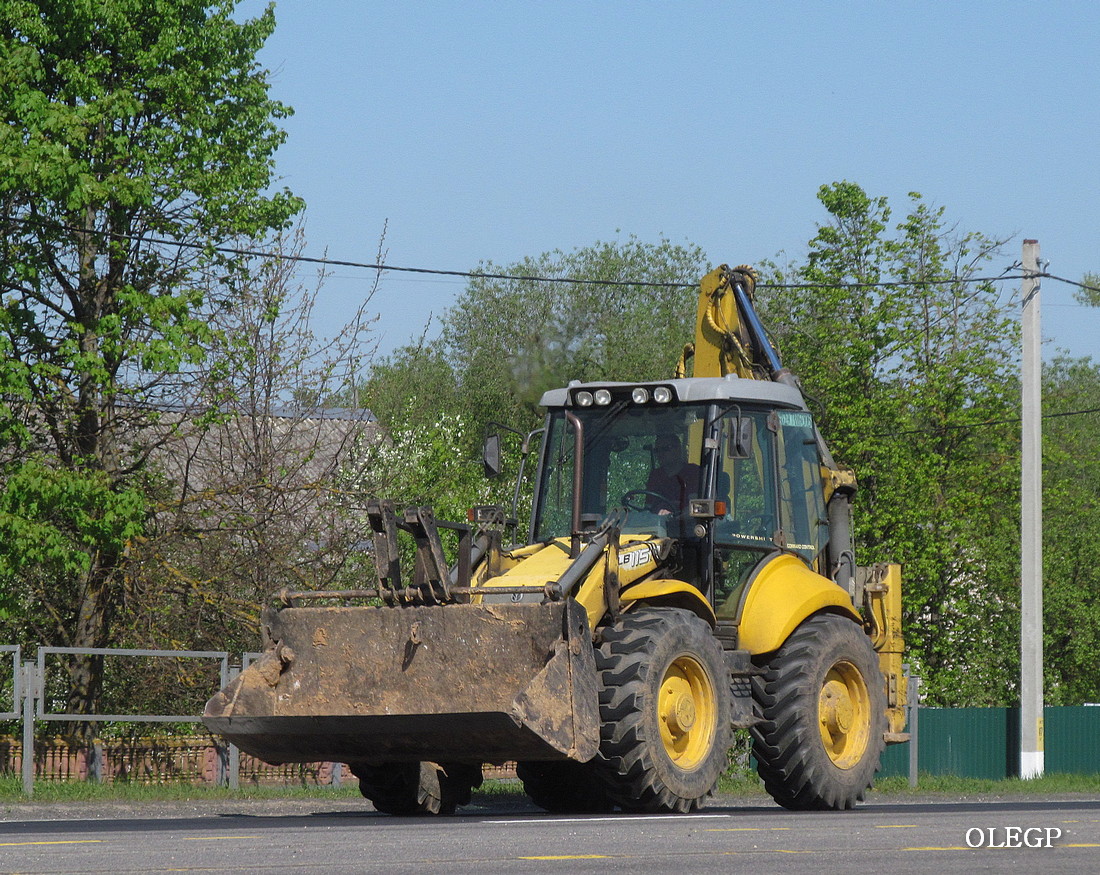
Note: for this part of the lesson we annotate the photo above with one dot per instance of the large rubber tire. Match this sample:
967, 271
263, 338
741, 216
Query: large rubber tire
565, 787
409, 789
823, 701
664, 710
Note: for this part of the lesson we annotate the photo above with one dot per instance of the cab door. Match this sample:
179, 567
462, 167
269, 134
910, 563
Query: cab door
746, 482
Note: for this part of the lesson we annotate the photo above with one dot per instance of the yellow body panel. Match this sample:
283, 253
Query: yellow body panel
883, 592
783, 594
536, 565
662, 588
505, 560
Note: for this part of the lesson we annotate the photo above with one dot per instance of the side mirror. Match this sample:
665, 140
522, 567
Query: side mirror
490, 455
740, 446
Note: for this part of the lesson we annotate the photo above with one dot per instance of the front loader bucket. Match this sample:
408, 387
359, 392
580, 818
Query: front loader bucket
449, 683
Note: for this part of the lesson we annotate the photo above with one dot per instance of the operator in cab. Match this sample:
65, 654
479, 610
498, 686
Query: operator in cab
673, 478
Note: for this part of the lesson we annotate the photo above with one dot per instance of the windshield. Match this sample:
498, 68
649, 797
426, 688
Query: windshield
644, 459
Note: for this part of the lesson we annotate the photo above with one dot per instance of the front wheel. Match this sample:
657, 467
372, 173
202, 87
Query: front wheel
664, 710
823, 701
409, 789
564, 787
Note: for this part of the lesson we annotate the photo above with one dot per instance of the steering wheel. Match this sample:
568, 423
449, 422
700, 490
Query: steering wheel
629, 498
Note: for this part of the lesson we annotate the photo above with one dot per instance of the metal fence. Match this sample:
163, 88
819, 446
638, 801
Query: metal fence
985, 743
30, 681
35, 692
967, 742
17, 681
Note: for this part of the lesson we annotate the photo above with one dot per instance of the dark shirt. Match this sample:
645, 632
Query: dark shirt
676, 488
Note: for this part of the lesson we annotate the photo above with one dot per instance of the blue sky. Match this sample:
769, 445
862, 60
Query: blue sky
496, 130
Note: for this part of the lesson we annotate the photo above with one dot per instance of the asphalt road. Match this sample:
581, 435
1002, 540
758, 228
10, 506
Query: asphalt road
508, 836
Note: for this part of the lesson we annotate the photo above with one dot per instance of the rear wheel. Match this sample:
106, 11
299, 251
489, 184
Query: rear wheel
564, 787
824, 705
417, 788
664, 710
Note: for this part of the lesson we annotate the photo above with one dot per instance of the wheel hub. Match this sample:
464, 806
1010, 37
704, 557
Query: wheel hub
836, 708
844, 714
686, 712
682, 714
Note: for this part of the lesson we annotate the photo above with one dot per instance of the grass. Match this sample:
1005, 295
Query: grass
947, 786
950, 785
737, 784
11, 791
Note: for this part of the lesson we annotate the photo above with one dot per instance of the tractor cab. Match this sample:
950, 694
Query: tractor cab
697, 461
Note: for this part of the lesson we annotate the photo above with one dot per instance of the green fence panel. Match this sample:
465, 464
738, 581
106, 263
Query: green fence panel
895, 760
1072, 743
985, 742
967, 742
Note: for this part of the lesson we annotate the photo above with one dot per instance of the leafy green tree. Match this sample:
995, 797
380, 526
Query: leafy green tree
1071, 526
1071, 522
917, 388
508, 341
249, 500
1089, 292
125, 122
415, 384
416, 465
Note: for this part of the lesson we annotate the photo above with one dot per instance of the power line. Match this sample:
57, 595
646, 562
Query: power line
955, 280
1085, 286
975, 425
382, 267
466, 274
1071, 413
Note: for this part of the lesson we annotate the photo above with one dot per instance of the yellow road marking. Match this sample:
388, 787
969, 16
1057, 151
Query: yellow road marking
569, 857
948, 848
69, 842
960, 848
747, 829
735, 829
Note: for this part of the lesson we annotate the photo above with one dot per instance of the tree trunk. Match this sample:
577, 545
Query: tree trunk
85, 671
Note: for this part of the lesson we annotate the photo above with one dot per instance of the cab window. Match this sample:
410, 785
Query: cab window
746, 483
802, 502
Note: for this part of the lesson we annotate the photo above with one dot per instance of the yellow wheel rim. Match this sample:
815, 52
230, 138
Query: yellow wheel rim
844, 715
687, 712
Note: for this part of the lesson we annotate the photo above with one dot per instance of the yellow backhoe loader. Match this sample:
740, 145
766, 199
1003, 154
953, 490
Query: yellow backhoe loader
689, 570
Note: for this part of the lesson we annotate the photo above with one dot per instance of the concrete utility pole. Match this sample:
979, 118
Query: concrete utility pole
1031, 524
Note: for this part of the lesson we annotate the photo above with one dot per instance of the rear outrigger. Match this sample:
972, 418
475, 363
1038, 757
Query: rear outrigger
689, 571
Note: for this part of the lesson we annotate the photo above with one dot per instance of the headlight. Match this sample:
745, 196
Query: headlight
662, 394
603, 397
583, 399
640, 395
